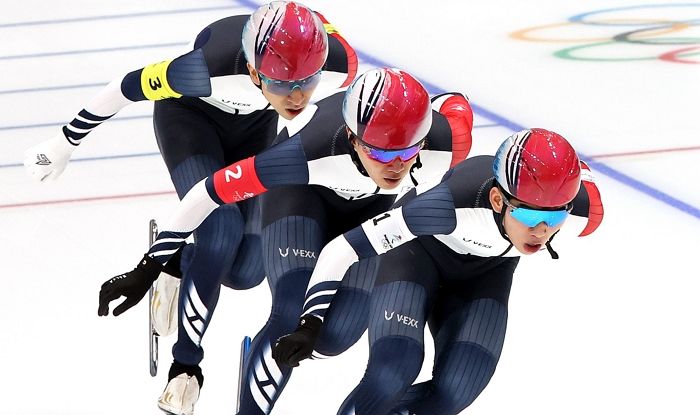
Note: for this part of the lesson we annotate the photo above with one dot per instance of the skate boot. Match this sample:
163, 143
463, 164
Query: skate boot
166, 293
182, 390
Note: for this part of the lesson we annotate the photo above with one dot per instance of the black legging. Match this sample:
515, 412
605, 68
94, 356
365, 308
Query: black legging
195, 140
297, 223
465, 300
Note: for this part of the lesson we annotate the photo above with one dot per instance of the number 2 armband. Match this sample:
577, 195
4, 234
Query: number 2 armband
387, 231
234, 183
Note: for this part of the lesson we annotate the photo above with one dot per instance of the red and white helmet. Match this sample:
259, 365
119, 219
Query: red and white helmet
285, 41
538, 167
388, 109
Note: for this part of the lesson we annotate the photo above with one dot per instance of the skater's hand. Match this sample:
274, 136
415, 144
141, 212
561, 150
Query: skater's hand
133, 285
47, 160
291, 349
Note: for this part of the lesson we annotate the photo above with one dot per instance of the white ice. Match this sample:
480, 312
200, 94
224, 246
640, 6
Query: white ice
610, 328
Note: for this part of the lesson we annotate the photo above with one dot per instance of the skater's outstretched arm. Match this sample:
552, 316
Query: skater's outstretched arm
432, 213
283, 164
186, 75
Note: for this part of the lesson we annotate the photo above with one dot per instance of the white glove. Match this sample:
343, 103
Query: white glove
47, 160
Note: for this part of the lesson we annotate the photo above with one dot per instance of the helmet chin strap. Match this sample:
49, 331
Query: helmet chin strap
353, 154
416, 165
259, 86
356, 159
500, 217
551, 250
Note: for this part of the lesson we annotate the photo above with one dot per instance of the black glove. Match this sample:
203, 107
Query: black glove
289, 350
133, 285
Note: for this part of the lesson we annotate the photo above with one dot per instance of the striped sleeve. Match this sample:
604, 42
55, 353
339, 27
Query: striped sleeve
101, 108
186, 75
335, 259
189, 213
431, 213
374, 237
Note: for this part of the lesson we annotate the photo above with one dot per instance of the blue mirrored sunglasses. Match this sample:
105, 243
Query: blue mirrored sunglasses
278, 87
533, 217
387, 156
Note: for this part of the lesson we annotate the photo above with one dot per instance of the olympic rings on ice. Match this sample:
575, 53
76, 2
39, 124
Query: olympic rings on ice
632, 33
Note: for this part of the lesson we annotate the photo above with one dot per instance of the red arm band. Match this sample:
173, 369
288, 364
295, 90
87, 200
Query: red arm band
237, 182
459, 115
595, 204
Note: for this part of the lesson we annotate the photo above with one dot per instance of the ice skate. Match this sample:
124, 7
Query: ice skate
182, 391
164, 304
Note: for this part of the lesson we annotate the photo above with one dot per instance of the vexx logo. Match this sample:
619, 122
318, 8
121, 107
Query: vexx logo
303, 253
403, 319
477, 243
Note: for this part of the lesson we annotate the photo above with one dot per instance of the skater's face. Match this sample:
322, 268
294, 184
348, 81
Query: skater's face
387, 175
288, 103
530, 237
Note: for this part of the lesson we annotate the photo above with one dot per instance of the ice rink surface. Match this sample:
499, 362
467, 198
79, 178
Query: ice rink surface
610, 328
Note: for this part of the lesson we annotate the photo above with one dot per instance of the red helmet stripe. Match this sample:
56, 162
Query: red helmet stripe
285, 41
388, 109
538, 167
393, 126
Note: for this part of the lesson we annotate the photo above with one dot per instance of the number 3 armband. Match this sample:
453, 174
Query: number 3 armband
154, 82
